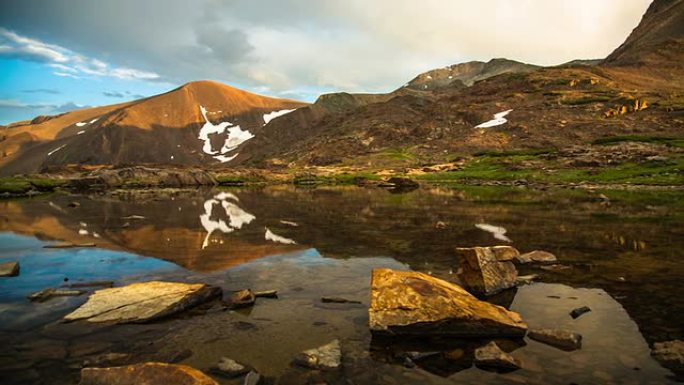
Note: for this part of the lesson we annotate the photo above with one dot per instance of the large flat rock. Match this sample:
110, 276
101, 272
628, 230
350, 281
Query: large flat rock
9, 269
140, 302
149, 373
412, 303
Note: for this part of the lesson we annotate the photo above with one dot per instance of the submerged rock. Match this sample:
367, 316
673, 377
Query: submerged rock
231, 368
146, 373
68, 245
579, 311
561, 339
328, 356
48, 293
9, 269
487, 270
526, 279
670, 354
537, 256
338, 300
491, 356
266, 294
252, 378
91, 284
144, 301
411, 303
241, 298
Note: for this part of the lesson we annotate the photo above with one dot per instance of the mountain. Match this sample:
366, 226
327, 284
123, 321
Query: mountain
198, 124
448, 113
466, 74
658, 39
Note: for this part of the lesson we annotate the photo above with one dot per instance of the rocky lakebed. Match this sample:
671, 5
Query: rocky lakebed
342, 285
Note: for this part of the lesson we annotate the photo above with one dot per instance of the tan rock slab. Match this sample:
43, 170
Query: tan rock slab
140, 302
404, 302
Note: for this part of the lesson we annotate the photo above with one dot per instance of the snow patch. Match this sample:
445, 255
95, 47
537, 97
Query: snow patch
497, 231
289, 223
81, 124
94, 120
274, 114
82, 232
56, 149
80, 132
498, 120
269, 236
236, 136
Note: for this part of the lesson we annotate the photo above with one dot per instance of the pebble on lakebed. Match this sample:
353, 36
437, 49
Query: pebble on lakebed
561, 339
9, 269
328, 356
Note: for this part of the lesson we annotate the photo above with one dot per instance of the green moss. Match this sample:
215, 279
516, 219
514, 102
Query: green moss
22, 185
398, 154
510, 168
669, 141
347, 178
526, 152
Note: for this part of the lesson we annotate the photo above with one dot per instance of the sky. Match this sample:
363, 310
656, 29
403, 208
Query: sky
59, 55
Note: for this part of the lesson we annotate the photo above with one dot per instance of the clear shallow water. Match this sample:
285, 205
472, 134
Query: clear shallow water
626, 258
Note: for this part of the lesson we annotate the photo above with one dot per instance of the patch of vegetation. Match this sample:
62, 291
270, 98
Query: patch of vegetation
586, 100
237, 180
532, 152
398, 154
511, 168
22, 185
668, 141
346, 178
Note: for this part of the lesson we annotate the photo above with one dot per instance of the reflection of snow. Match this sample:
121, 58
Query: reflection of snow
80, 132
236, 136
497, 231
236, 216
277, 238
272, 115
289, 223
498, 120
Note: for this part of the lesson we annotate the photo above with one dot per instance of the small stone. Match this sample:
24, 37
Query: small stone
579, 311
9, 269
537, 256
561, 339
74, 204
670, 354
241, 298
266, 294
440, 225
491, 356
231, 368
526, 279
328, 356
338, 300
48, 293
556, 267
252, 378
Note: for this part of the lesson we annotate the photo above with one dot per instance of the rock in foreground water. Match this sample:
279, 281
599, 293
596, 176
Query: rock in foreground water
491, 356
145, 301
9, 269
487, 270
670, 354
411, 303
537, 256
561, 339
328, 356
231, 368
146, 373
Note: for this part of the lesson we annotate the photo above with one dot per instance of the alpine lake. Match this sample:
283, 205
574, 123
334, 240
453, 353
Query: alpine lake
622, 254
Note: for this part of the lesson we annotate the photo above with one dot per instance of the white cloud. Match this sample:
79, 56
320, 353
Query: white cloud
66, 62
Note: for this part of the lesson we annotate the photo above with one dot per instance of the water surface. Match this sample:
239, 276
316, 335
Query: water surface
624, 250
